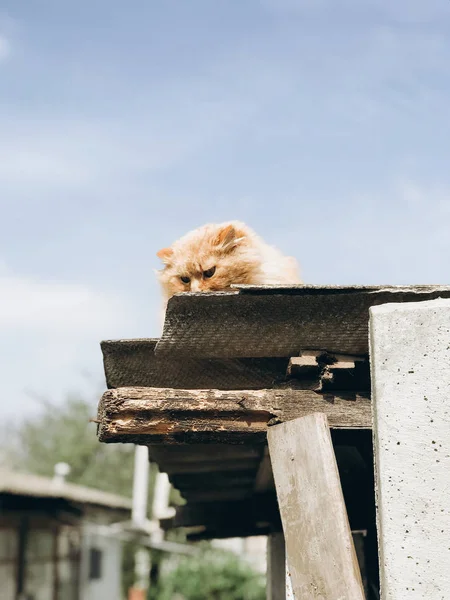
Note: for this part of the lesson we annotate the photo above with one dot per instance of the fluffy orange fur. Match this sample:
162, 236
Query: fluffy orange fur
213, 257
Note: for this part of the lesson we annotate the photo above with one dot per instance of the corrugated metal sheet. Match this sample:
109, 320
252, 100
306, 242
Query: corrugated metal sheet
278, 321
24, 484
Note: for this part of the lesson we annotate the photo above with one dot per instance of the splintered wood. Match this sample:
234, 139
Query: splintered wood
319, 548
331, 372
161, 415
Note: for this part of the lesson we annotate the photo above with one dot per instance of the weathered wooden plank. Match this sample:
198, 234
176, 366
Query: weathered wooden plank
168, 455
278, 321
360, 549
305, 366
319, 547
219, 480
232, 532
410, 354
276, 567
154, 415
264, 477
218, 516
212, 466
129, 363
354, 480
217, 495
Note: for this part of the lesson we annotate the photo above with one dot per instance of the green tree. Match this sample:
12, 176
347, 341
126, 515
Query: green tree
64, 433
211, 576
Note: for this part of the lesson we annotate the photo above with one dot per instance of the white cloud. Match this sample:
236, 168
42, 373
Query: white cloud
188, 115
38, 167
50, 333
53, 307
53, 153
5, 48
399, 234
407, 11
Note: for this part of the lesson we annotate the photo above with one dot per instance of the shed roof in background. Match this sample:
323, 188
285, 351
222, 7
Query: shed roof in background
26, 484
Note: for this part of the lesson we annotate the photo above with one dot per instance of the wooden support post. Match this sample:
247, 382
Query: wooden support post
276, 567
319, 546
278, 585
410, 357
289, 591
360, 549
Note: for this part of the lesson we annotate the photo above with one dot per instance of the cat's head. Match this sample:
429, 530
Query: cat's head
210, 258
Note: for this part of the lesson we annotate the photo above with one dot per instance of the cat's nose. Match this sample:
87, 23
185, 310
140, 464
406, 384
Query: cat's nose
195, 286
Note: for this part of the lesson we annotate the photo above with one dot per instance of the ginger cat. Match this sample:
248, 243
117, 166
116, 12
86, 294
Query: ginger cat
213, 257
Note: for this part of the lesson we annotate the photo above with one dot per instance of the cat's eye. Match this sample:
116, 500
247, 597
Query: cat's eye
209, 272
185, 279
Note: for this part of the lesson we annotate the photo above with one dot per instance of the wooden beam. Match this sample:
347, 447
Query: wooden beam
198, 453
160, 415
229, 533
217, 495
260, 508
304, 366
264, 477
214, 481
360, 549
320, 552
210, 466
276, 567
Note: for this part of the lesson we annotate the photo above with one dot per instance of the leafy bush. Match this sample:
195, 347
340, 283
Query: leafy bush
211, 576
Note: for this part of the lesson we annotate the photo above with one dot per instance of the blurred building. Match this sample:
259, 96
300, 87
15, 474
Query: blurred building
252, 549
54, 543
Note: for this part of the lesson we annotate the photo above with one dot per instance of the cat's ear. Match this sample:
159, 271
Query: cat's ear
165, 254
228, 238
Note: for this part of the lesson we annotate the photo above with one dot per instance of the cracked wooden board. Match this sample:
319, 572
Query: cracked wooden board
278, 321
171, 416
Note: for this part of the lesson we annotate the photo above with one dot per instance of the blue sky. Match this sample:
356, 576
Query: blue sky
324, 124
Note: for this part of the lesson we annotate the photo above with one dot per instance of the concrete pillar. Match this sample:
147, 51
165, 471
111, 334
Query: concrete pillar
410, 365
